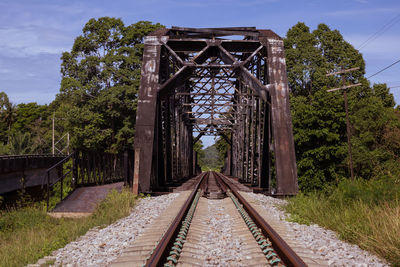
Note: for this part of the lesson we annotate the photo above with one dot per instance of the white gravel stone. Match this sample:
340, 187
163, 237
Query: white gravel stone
221, 247
322, 242
99, 247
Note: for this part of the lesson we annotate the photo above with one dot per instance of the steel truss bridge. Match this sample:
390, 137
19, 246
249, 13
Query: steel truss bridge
229, 82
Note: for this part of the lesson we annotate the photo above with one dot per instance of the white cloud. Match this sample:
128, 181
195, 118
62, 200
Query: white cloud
365, 11
208, 3
383, 47
25, 41
41, 27
4, 71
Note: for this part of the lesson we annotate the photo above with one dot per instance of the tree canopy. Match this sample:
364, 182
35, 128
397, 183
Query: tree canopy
24, 128
319, 116
100, 81
98, 94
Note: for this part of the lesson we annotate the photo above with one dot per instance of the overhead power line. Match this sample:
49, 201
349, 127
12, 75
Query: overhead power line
385, 68
383, 29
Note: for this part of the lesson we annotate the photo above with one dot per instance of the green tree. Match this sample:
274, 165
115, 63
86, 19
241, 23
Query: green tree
198, 147
36, 120
319, 116
222, 147
372, 117
3, 124
27, 114
391, 135
100, 81
382, 91
304, 61
21, 143
7, 114
319, 135
337, 52
211, 159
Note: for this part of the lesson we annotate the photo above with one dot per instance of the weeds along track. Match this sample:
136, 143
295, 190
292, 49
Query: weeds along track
210, 225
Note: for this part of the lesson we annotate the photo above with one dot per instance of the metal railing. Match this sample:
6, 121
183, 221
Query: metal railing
30, 156
89, 168
59, 167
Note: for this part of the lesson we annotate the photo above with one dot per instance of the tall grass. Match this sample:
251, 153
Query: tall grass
366, 213
28, 234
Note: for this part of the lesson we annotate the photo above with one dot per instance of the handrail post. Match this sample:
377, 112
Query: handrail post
126, 168
48, 190
62, 181
75, 168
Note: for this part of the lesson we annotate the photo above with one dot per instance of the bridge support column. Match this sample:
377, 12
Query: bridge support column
285, 160
146, 117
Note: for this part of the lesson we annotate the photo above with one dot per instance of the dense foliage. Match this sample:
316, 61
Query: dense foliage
100, 81
199, 149
97, 99
319, 116
211, 159
24, 128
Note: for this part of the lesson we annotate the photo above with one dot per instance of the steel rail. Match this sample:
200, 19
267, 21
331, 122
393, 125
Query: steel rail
161, 251
285, 252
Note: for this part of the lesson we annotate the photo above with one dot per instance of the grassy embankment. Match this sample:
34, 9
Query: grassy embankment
28, 234
366, 213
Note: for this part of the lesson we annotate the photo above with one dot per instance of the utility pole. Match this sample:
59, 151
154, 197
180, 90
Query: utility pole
68, 143
344, 88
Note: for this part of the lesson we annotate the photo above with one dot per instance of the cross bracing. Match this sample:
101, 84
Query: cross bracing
198, 82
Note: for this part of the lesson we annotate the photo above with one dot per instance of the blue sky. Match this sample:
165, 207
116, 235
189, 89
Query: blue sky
34, 33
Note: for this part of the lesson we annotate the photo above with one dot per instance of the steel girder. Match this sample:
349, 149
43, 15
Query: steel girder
194, 82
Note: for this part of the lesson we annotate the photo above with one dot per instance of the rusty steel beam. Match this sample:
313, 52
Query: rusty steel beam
255, 84
217, 31
146, 116
211, 121
177, 80
236, 88
285, 161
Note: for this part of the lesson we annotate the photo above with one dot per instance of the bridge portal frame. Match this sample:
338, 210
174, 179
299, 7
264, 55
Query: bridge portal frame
260, 126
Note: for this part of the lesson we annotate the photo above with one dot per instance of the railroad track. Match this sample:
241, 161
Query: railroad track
183, 240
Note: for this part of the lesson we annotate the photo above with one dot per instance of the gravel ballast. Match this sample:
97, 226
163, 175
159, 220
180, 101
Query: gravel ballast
99, 247
225, 252
322, 242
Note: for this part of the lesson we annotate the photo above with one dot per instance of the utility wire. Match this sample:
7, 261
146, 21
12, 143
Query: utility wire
383, 29
384, 69
391, 82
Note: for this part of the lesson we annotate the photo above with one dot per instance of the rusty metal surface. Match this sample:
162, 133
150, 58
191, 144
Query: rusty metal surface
17, 163
195, 83
31, 168
212, 181
285, 253
285, 161
160, 252
146, 115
